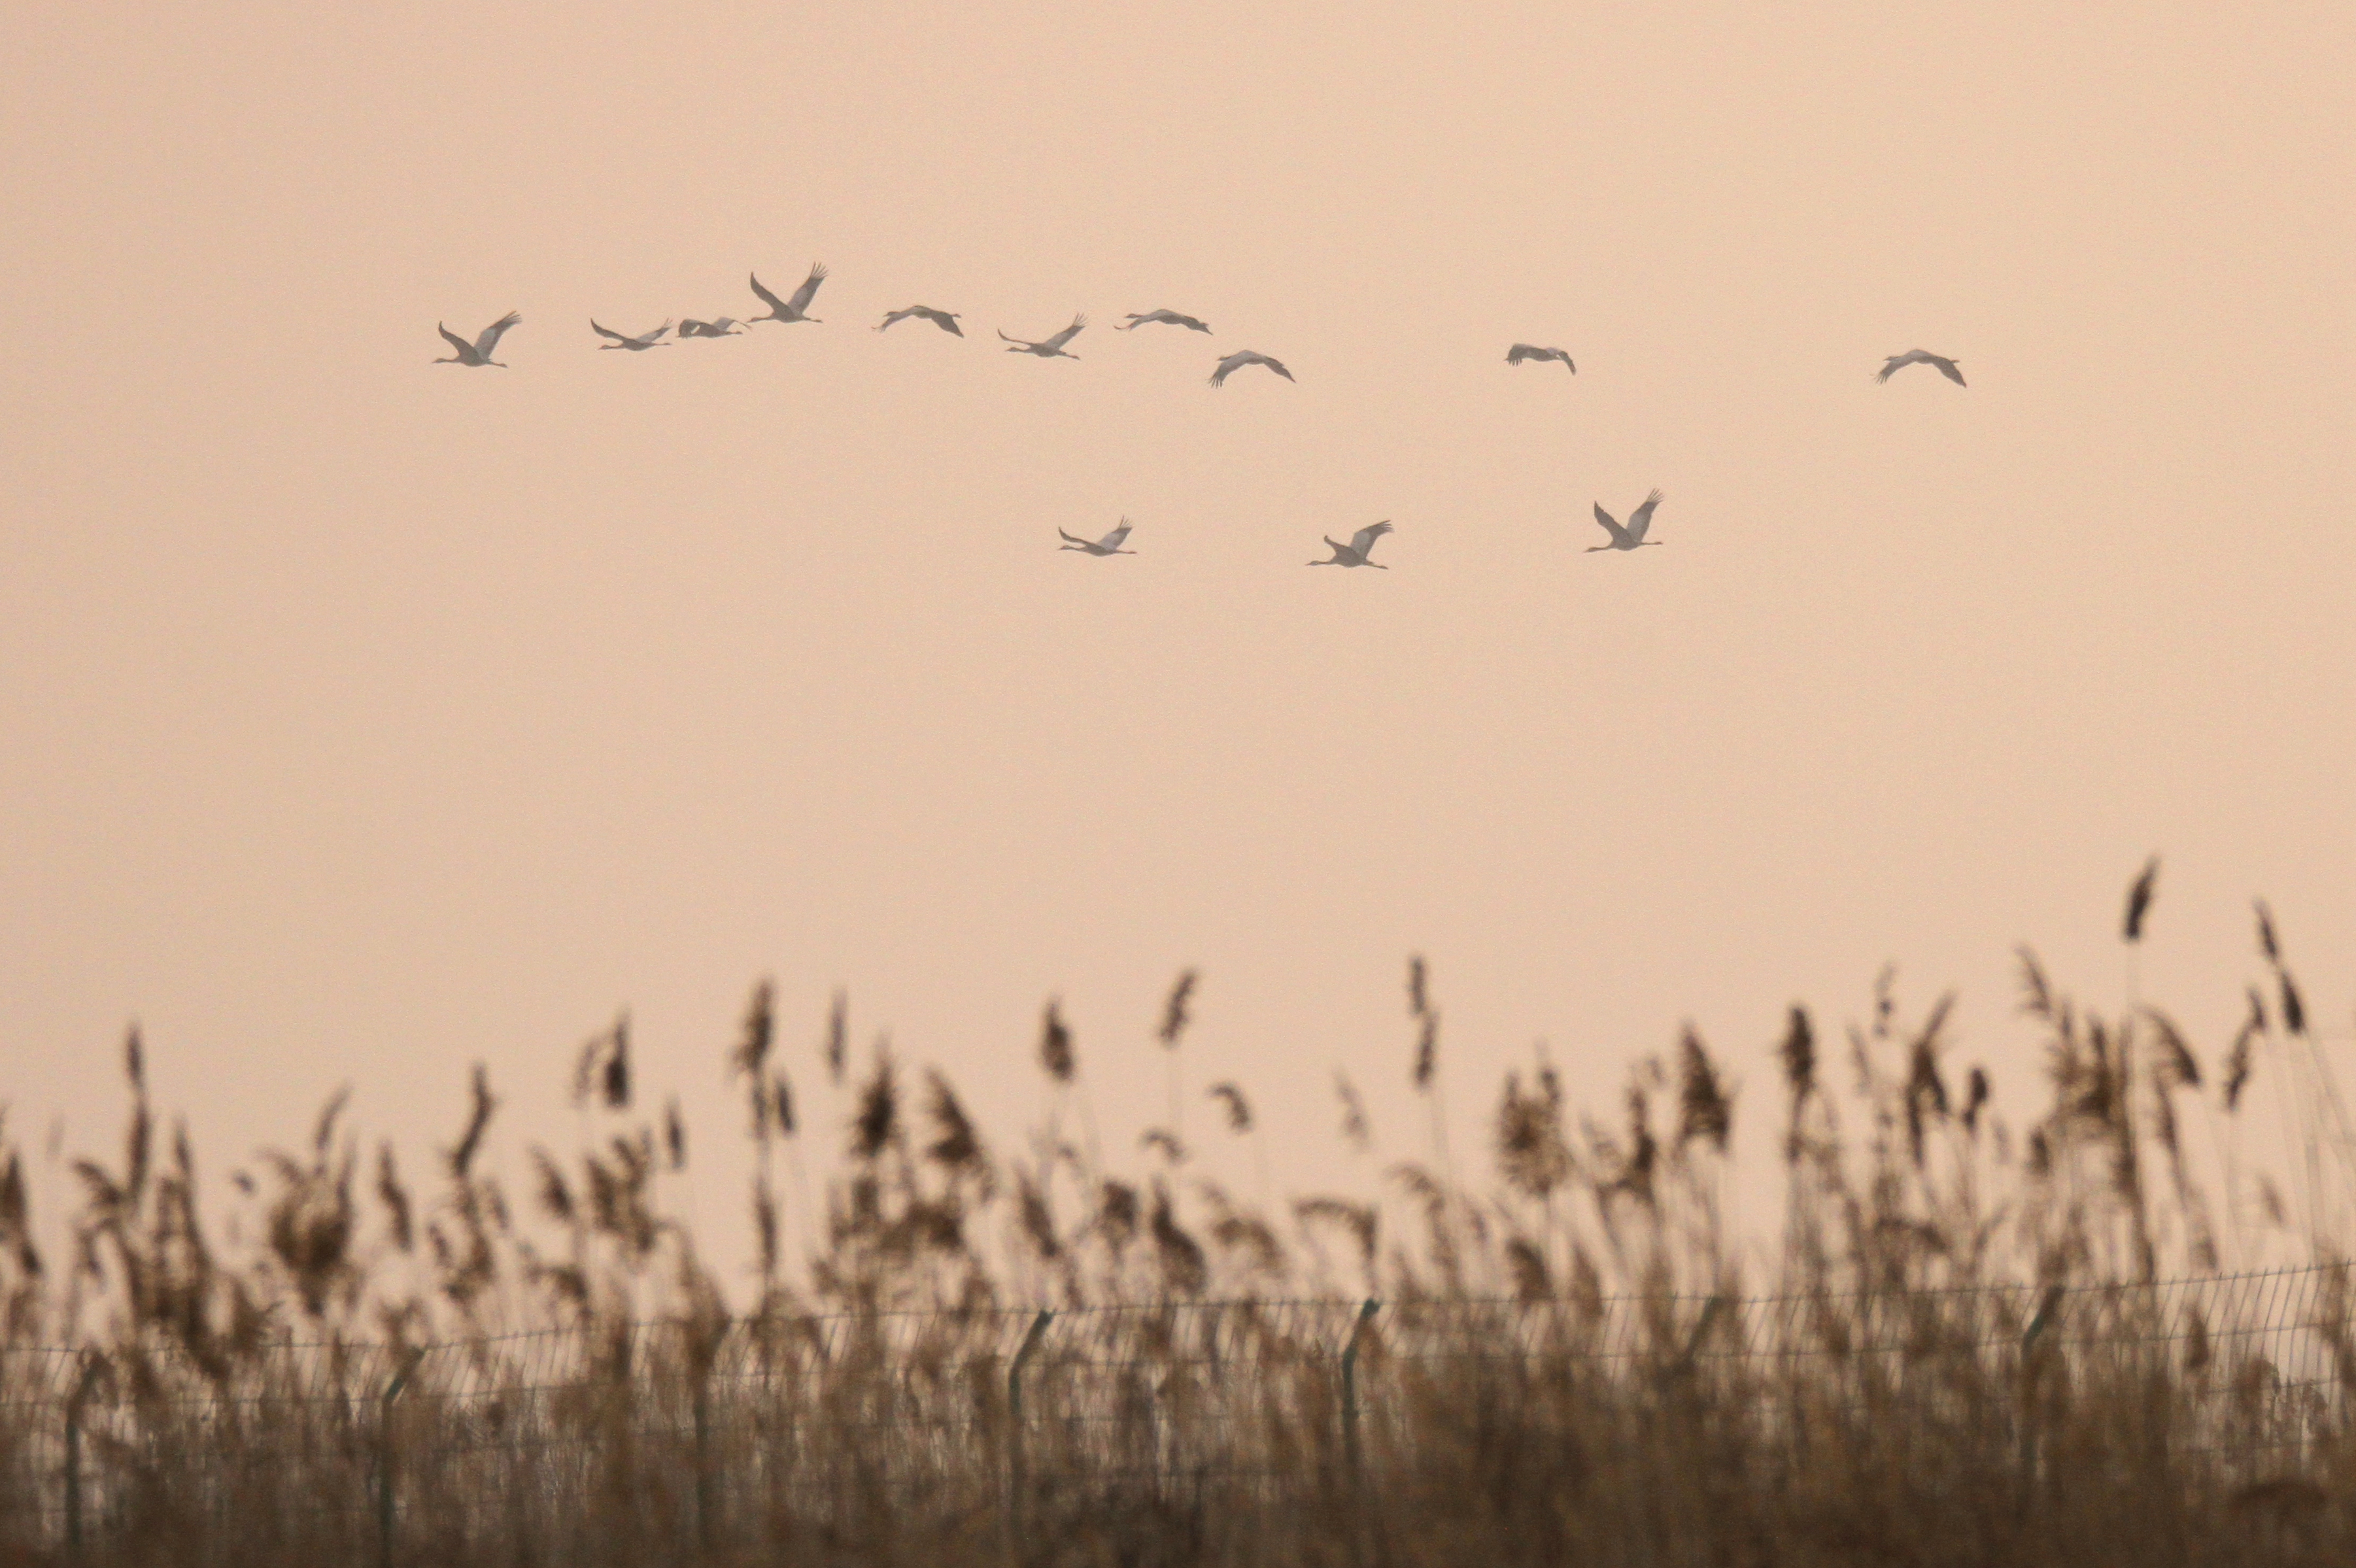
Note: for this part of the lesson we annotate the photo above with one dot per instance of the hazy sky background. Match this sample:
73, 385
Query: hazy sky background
361, 718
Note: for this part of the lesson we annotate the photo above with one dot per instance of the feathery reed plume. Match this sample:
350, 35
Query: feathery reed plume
748, 1060
1635, 1177
310, 1222
1183, 1266
2139, 898
877, 1125
16, 1224
395, 1198
1117, 1215
956, 1147
1532, 1281
139, 1134
1704, 1110
1175, 1016
1927, 1091
1355, 1130
585, 1069
2238, 1059
2036, 991
1037, 1219
1238, 1108
1243, 1239
765, 1232
478, 1121
1055, 1053
555, 1194
1418, 1006
1975, 1096
674, 1134
838, 1037
1360, 1222
1161, 1140
2294, 1009
2178, 1067
1531, 1156
1798, 1052
781, 1104
759, 1032
323, 1132
618, 1066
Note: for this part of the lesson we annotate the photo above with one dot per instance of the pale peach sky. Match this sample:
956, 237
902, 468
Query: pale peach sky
360, 718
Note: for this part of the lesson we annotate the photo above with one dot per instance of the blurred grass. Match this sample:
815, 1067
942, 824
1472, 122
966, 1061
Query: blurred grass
1963, 1345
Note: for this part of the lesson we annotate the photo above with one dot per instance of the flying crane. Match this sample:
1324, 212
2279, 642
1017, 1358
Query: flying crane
1898, 362
795, 308
638, 345
1241, 358
1520, 351
946, 320
1049, 347
1169, 318
1108, 545
1633, 536
479, 351
1355, 552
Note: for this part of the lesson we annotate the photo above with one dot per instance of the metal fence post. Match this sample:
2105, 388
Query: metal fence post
1018, 1478
1366, 1311
703, 1531
2048, 1307
384, 1486
93, 1364
1684, 1366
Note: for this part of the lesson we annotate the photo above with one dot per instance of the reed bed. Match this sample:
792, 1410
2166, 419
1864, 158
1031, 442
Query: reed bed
1966, 1344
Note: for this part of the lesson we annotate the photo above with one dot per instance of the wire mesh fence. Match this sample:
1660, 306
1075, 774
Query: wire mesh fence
709, 1432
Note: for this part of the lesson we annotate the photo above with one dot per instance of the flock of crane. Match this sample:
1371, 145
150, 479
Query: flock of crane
1630, 535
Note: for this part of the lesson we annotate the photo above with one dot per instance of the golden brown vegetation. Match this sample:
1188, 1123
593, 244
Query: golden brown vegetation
1964, 1347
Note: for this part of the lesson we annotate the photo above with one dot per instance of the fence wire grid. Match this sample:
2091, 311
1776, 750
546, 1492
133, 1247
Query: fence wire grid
705, 1427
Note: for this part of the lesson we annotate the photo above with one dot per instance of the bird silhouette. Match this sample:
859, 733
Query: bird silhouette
946, 320
638, 345
479, 351
1049, 347
795, 308
1108, 545
1898, 362
1355, 552
1171, 318
1241, 358
1633, 536
1520, 351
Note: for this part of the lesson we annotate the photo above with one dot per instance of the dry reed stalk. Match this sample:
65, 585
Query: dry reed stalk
1587, 1389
